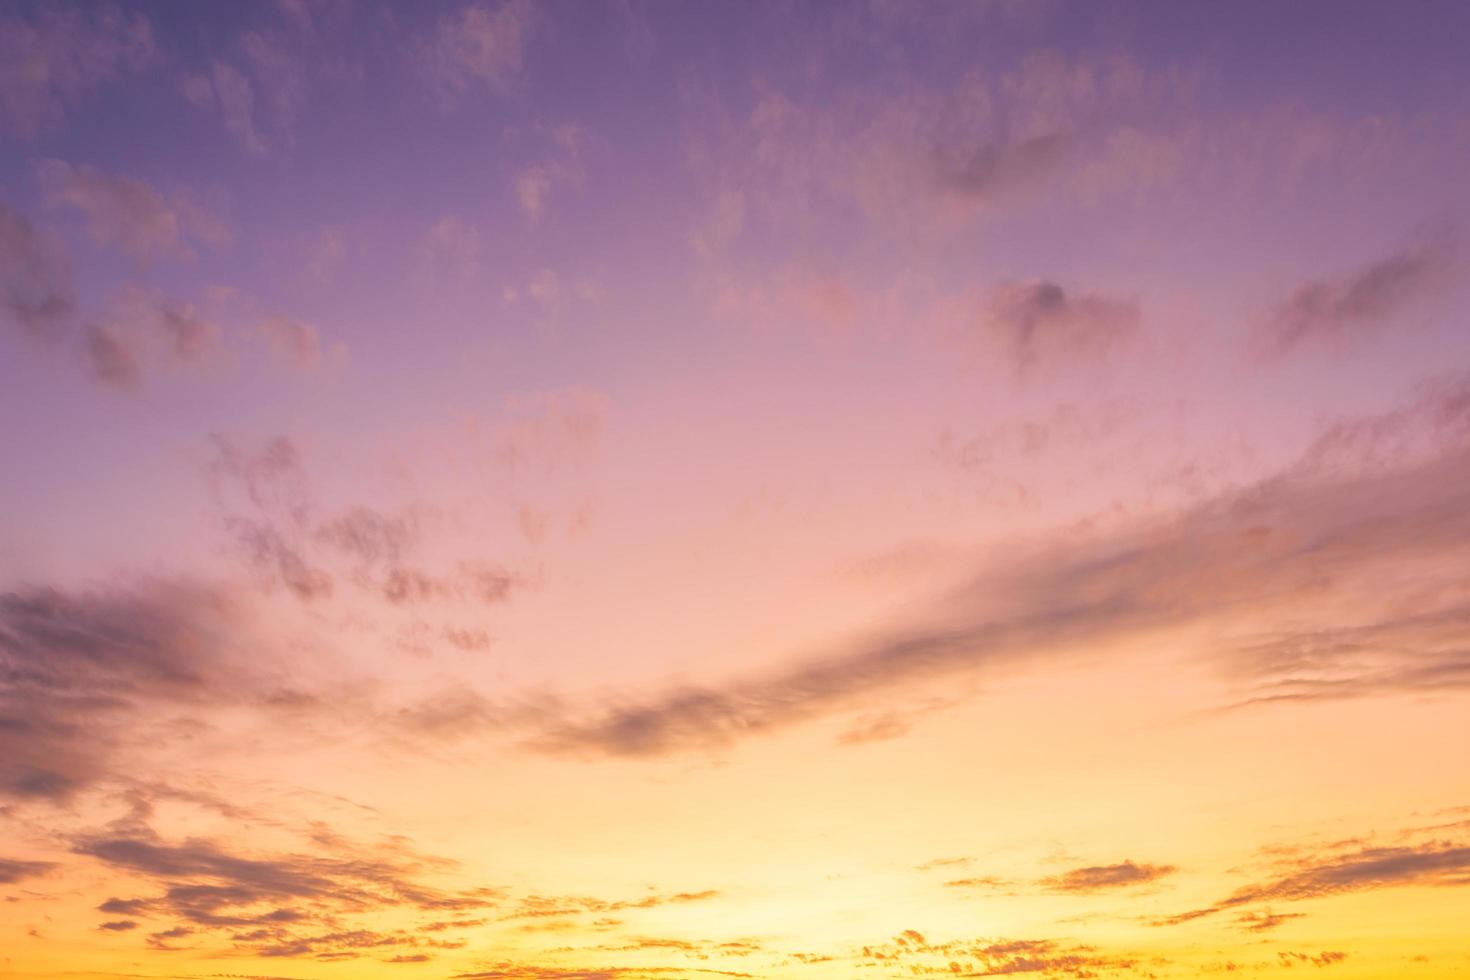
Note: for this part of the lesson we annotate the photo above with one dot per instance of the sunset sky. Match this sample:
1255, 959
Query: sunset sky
639, 490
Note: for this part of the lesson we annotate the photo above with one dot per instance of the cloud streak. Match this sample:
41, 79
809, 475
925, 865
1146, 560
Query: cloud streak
1441, 864
1248, 553
1358, 304
1105, 877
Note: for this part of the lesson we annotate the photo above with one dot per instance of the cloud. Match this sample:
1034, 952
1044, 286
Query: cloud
1325, 958
259, 86
1435, 864
278, 905
144, 331
77, 667
13, 870
264, 495
36, 293
293, 343
1356, 305
550, 430
1265, 920
1039, 323
913, 953
991, 170
450, 248
1104, 877
326, 254
543, 906
139, 331
1078, 881
129, 214
535, 184
159, 940
479, 43
915, 159
229, 90
271, 475
507, 970
111, 360
987, 882
51, 62
877, 728
1252, 554
1373, 867
276, 559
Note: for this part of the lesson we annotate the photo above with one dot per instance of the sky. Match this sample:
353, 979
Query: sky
638, 490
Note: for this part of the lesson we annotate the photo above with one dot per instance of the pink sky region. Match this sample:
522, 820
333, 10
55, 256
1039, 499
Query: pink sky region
640, 490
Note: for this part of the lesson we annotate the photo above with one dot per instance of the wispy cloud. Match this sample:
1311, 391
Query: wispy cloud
535, 184
293, 343
77, 667
1040, 324
1435, 864
1357, 304
53, 60
449, 249
129, 214
267, 508
915, 953
37, 297
478, 43
1105, 877
144, 331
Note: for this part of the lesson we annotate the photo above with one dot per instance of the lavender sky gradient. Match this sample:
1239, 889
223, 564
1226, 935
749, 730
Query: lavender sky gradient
626, 490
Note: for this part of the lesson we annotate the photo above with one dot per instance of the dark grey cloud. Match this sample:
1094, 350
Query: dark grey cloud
1252, 551
1040, 323
1363, 302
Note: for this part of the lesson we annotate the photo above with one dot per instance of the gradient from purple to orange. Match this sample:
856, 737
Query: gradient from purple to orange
632, 490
